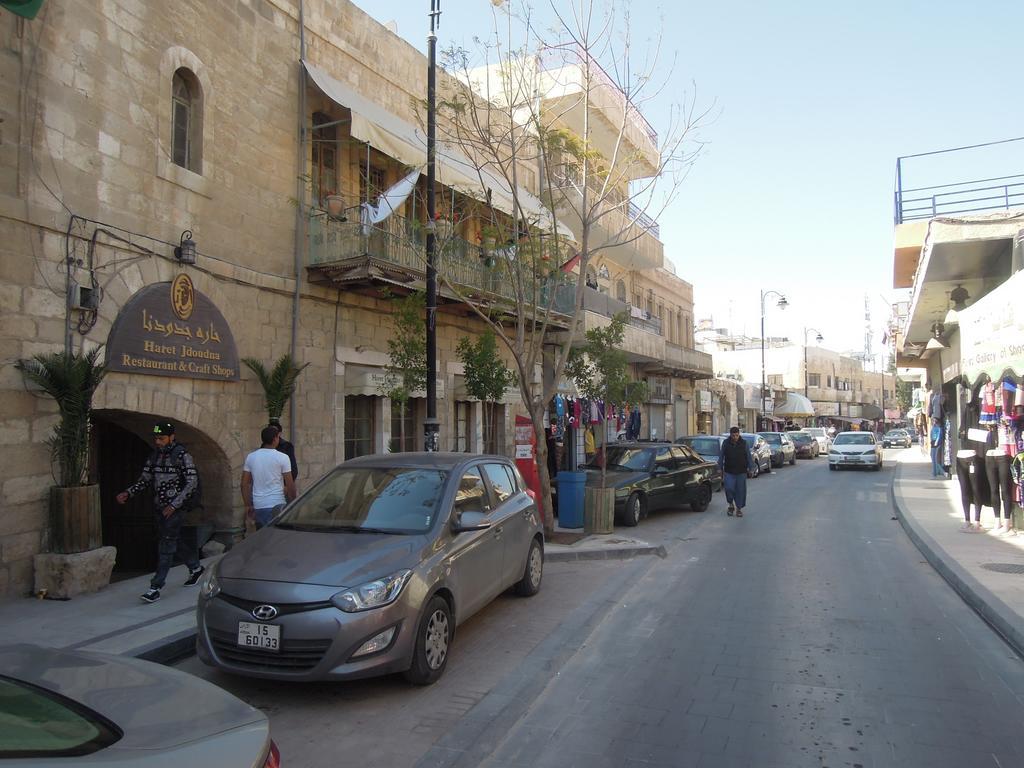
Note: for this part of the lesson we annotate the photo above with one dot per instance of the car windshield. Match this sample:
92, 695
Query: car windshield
38, 723
772, 437
800, 437
400, 500
706, 446
622, 457
816, 432
895, 433
855, 439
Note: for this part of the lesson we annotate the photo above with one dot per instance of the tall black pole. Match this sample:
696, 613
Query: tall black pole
431, 426
764, 415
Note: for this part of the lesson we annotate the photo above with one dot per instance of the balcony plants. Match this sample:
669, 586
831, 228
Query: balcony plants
78, 561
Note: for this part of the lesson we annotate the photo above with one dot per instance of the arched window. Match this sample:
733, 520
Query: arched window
186, 121
620, 290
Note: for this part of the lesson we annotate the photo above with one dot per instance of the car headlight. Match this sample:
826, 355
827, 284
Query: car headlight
868, 453
210, 586
372, 594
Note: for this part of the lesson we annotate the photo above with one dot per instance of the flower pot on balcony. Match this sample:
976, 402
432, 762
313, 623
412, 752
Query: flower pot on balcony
442, 229
335, 205
489, 244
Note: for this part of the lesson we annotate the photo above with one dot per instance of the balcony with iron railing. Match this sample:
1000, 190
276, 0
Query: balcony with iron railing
344, 252
617, 219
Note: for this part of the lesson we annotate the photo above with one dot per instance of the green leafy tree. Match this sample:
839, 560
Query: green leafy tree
278, 383
406, 370
487, 376
600, 370
71, 379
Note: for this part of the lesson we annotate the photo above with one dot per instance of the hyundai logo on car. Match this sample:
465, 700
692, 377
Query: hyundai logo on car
264, 612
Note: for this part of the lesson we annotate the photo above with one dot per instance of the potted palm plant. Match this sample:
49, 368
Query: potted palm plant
71, 379
278, 383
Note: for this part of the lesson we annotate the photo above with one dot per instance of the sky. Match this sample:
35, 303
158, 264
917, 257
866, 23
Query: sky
811, 103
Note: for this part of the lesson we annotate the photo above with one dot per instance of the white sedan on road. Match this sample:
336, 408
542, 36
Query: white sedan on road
855, 449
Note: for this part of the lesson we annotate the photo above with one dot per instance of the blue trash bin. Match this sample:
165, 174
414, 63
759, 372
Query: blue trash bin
570, 498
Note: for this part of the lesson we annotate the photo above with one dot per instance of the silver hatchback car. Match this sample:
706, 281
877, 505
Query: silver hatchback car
370, 570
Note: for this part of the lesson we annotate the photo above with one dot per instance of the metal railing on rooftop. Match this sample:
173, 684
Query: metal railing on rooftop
986, 194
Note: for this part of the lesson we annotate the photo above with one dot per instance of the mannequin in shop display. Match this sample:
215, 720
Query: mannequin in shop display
997, 469
971, 470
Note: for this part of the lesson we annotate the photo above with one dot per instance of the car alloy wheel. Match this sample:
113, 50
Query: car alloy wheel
634, 510
529, 585
430, 656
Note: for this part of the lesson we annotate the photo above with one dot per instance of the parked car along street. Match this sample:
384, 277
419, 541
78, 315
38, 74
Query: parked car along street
649, 476
855, 449
805, 444
370, 571
62, 708
708, 448
820, 434
896, 438
782, 448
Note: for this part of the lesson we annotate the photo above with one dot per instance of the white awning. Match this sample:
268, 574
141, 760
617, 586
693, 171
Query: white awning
405, 142
795, 406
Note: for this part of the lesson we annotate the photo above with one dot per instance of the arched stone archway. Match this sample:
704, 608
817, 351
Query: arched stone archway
123, 440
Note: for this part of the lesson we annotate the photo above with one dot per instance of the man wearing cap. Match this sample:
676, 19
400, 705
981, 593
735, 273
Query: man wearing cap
737, 465
172, 473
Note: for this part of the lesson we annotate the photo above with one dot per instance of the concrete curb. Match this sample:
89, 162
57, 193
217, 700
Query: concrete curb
607, 553
990, 608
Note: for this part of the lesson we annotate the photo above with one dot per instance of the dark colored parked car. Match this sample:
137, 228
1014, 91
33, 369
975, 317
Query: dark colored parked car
648, 476
707, 447
896, 438
781, 446
806, 445
370, 571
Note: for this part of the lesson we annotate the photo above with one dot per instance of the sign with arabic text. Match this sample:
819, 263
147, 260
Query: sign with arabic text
992, 333
171, 329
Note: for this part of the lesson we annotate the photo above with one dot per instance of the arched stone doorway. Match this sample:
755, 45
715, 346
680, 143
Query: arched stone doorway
122, 441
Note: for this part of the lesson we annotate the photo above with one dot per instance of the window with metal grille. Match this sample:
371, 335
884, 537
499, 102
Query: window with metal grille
463, 411
186, 121
494, 428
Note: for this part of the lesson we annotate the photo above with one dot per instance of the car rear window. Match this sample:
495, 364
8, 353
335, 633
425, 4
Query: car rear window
391, 500
704, 445
36, 723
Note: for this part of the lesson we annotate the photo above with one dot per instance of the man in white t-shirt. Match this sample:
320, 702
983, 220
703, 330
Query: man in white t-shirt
267, 483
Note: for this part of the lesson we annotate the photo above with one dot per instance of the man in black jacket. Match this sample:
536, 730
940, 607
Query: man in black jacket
286, 448
737, 465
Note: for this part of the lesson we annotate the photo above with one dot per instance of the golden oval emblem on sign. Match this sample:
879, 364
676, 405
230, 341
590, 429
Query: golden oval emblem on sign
183, 297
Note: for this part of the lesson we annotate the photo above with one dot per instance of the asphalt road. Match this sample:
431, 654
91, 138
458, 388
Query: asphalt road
808, 633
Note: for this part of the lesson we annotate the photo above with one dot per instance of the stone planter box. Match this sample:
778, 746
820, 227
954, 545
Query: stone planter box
66, 575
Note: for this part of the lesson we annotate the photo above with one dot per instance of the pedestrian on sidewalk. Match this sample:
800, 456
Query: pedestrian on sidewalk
267, 483
737, 465
935, 440
285, 447
171, 471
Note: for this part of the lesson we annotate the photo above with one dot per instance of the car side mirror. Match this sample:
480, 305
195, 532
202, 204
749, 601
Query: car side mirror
470, 521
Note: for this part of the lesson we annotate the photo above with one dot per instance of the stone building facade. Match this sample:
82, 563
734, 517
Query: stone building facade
126, 125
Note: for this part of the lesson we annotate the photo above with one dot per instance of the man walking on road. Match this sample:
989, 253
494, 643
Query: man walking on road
267, 482
737, 465
172, 473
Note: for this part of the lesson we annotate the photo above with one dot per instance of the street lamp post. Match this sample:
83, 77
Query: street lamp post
431, 425
781, 304
819, 338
